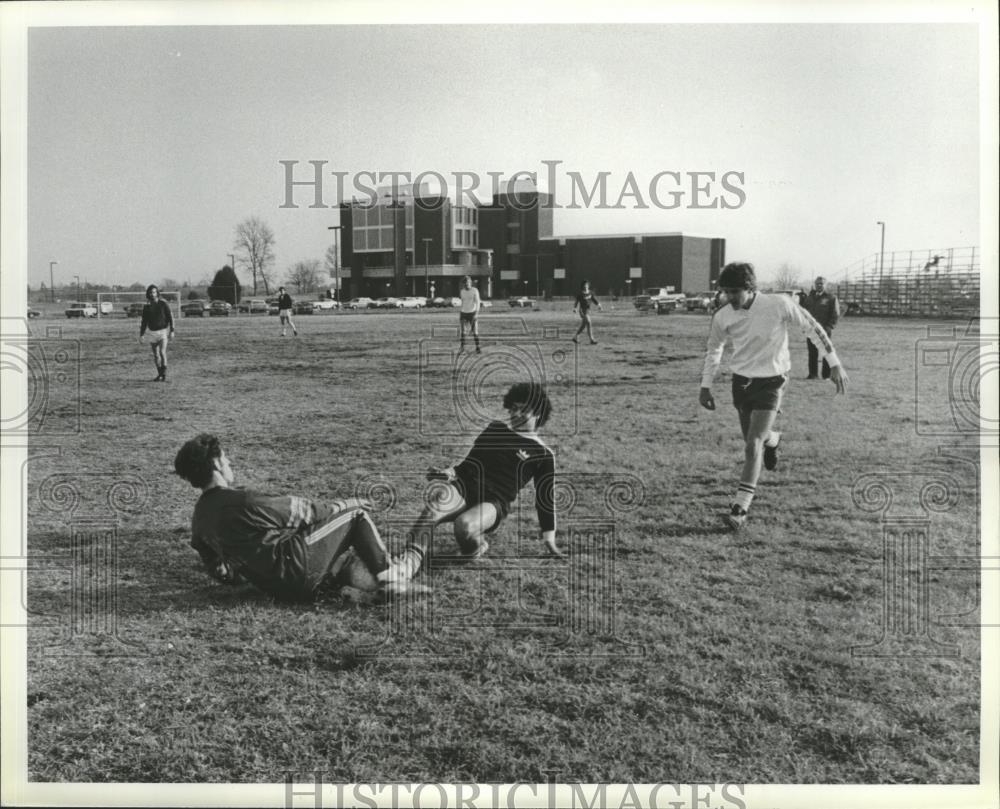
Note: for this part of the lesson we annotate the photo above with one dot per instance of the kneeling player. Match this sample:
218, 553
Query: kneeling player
286, 545
483, 486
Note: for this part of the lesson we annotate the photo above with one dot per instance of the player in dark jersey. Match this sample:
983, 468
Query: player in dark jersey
482, 487
288, 546
159, 321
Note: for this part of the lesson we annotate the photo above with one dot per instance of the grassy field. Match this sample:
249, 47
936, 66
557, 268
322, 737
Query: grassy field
666, 649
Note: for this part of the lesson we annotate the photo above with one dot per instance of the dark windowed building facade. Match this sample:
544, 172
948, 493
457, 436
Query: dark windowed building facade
416, 243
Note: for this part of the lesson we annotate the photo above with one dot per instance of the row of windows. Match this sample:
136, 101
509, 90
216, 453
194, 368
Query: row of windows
466, 237
379, 215
378, 239
466, 216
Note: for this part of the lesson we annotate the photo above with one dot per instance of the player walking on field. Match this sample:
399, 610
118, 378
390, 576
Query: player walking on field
583, 303
285, 312
756, 326
288, 546
468, 315
158, 320
483, 486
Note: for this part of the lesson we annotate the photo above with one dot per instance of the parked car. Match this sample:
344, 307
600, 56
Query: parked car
359, 303
445, 303
412, 303
660, 300
106, 307
194, 308
253, 306
521, 303
303, 307
134, 310
219, 308
33, 313
81, 310
388, 303
702, 302
325, 304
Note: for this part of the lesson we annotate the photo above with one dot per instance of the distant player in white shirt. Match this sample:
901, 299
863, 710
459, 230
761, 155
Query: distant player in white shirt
757, 326
469, 313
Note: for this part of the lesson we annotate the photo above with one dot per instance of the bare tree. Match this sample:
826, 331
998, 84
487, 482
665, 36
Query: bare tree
254, 245
304, 275
332, 264
787, 277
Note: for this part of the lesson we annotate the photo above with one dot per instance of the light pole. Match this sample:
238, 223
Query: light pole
77, 277
336, 260
427, 243
881, 255
52, 291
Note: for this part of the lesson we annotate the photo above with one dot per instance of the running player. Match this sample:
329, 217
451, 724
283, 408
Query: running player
756, 326
582, 304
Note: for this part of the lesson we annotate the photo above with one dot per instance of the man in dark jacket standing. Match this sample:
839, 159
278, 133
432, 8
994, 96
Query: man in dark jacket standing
826, 311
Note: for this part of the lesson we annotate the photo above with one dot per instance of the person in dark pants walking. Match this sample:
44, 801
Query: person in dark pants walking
825, 310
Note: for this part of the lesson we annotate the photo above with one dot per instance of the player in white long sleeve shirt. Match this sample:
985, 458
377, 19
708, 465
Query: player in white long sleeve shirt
469, 313
756, 326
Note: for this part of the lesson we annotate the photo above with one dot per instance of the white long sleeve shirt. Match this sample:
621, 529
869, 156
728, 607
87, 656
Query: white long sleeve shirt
470, 300
759, 337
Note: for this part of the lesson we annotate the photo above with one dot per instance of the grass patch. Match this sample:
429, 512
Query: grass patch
701, 656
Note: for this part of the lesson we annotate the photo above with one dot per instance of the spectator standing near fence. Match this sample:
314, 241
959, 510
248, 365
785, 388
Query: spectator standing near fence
825, 309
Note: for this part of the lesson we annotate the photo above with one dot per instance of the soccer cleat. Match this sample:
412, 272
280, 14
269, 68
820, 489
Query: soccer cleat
736, 518
477, 553
479, 350
771, 455
402, 589
403, 568
593, 342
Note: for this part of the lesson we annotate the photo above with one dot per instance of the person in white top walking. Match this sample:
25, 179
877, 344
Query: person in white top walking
756, 326
469, 313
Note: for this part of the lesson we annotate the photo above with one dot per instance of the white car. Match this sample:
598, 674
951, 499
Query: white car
412, 303
359, 303
325, 304
81, 310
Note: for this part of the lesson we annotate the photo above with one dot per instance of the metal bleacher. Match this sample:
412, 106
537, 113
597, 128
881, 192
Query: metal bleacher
918, 283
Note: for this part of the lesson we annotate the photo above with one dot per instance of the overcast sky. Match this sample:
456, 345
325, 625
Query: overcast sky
147, 145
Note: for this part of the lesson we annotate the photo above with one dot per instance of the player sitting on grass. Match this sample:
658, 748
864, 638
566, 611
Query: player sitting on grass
286, 545
484, 485
757, 327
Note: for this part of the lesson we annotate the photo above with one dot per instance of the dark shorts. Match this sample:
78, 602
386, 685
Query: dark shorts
473, 496
467, 317
763, 393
